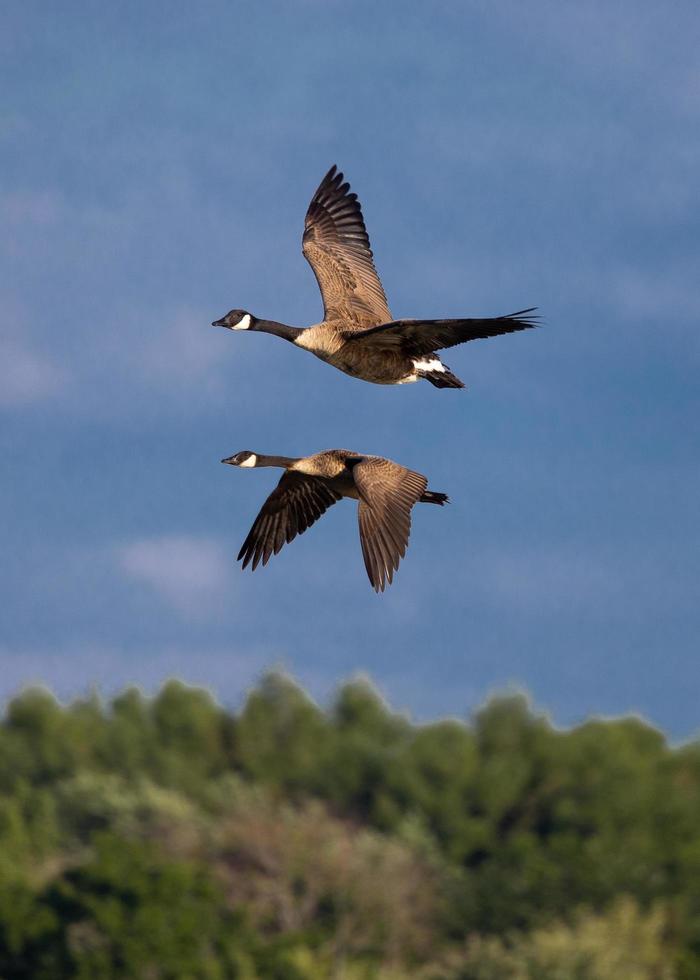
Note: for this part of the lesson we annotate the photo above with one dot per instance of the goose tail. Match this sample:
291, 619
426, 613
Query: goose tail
441, 378
433, 370
434, 497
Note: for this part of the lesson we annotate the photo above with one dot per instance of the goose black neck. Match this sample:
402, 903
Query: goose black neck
278, 329
284, 461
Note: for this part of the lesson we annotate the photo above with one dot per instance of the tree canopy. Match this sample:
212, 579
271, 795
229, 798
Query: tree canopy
168, 837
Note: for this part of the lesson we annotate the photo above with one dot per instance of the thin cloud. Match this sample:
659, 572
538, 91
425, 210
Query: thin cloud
648, 54
672, 295
547, 581
30, 207
572, 580
181, 351
189, 573
25, 376
73, 670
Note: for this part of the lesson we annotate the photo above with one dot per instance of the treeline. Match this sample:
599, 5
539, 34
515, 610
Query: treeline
171, 839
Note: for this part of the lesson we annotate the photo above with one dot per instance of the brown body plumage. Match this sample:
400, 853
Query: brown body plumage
310, 485
357, 334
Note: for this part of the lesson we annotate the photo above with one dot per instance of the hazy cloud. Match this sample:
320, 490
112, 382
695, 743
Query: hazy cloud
226, 671
570, 580
189, 573
35, 207
671, 295
26, 376
182, 351
535, 581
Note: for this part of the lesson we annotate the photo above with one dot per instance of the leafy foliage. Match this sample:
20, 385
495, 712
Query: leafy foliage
170, 838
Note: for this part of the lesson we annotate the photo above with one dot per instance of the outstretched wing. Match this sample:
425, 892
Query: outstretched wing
387, 494
336, 245
418, 337
292, 507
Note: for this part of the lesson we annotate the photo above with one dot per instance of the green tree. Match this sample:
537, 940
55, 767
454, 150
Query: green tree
622, 944
281, 737
128, 914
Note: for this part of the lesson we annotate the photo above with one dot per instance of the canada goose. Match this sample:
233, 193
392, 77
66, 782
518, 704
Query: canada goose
357, 334
312, 484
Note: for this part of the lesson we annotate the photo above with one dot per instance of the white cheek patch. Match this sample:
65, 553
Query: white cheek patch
243, 324
252, 459
431, 365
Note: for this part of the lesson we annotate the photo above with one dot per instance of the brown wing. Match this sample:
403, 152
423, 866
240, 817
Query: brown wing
336, 245
292, 507
387, 494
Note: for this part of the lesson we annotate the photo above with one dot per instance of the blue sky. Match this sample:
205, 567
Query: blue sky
156, 161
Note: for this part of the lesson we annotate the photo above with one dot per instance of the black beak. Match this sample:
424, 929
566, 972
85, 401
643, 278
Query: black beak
219, 323
229, 459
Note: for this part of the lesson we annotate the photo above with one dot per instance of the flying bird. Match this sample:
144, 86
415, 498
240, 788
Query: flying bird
311, 484
357, 334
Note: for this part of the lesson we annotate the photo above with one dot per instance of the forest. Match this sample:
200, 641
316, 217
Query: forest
170, 838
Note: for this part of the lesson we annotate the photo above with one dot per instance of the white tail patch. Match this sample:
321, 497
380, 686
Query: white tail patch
433, 364
243, 324
252, 459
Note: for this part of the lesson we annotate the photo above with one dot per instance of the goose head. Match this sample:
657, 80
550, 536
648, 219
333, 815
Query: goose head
244, 458
236, 320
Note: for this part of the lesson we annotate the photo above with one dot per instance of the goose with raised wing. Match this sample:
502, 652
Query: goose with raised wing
357, 334
310, 485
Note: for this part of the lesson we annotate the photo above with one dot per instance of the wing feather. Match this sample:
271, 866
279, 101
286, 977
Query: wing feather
375, 561
336, 245
387, 494
293, 506
416, 338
